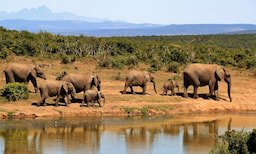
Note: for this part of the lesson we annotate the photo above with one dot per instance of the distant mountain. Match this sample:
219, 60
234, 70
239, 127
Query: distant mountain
43, 13
65, 23
107, 29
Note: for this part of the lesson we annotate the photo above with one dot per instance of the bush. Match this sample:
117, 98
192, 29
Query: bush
104, 62
15, 91
117, 64
236, 142
252, 141
4, 53
173, 67
68, 59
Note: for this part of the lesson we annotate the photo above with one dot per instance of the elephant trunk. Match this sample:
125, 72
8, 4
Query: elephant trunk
229, 90
154, 84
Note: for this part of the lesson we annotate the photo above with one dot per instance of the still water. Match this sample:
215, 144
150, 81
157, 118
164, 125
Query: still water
169, 134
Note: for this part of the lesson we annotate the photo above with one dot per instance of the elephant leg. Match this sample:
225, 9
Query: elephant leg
144, 87
132, 91
185, 91
164, 92
41, 100
83, 102
216, 87
72, 98
125, 87
57, 101
98, 101
10, 77
68, 102
173, 92
195, 91
84, 98
94, 103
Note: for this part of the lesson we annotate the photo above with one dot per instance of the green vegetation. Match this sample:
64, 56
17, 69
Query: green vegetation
236, 142
116, 52
144, 109
15, 91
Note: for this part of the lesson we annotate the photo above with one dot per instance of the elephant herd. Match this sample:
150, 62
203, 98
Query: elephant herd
196, 75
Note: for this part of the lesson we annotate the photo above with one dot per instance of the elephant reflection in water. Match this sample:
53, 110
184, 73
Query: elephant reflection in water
199, 138
140, 136
18, 141
87, 136
35, 141
171, 129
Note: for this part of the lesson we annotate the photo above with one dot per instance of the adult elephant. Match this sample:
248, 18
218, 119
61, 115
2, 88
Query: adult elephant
61, 89
83, 82
206, 74
15, 72
138, 78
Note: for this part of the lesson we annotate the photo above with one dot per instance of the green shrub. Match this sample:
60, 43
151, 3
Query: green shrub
173, 67
68, 59
252, 141
117, 64
105, 62
15, 91
4, 53
156, 64
236, 142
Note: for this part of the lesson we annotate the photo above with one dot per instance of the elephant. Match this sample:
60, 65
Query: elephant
93, 96
170, 85
50, 88
15, 72
206, 74
83, 82
138, 78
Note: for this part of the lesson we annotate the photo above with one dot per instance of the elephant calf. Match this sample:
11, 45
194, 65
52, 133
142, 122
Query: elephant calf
50, 88
170, 85
93, 96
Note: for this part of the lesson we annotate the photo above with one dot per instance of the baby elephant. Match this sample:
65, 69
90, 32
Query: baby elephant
50, 88
93, 96
170, 85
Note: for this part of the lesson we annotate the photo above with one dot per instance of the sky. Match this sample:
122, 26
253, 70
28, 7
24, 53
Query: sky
149, 11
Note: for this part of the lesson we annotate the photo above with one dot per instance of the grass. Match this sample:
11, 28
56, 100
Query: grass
144, 109
10, 113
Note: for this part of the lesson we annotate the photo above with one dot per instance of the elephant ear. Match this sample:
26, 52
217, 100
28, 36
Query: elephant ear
33, 71
98, 95
64, 87
70, 85
146, 76
95, 81
220, 73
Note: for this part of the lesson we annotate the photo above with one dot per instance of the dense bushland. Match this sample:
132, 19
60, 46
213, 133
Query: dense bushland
236, 142
116, 52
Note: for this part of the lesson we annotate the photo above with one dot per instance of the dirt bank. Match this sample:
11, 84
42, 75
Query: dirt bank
243, 95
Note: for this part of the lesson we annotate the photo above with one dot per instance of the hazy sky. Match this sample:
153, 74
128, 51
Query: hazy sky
149, 11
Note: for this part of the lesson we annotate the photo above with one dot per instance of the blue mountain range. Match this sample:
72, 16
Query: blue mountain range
65, 23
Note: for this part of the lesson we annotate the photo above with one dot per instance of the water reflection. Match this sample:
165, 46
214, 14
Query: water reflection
186, 134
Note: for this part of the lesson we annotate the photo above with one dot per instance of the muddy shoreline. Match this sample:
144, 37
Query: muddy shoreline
201, 106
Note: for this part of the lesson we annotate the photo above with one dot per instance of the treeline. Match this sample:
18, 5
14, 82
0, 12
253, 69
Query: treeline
116, 52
